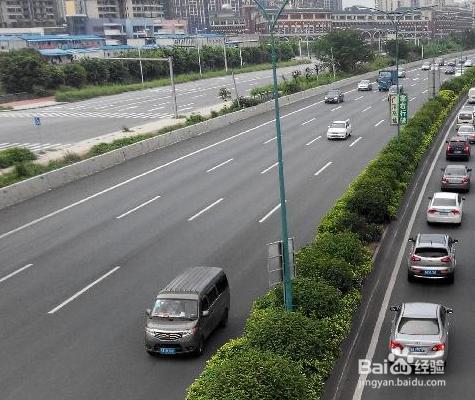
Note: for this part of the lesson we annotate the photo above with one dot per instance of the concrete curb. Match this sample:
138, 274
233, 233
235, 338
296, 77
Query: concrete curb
37, 185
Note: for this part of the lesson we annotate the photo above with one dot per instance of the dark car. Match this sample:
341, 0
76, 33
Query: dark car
452, 63
456, 177
450, 70
334, 96
458, 147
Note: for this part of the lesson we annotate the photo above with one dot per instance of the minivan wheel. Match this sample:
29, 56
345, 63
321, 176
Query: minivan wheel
201, 347
224, 319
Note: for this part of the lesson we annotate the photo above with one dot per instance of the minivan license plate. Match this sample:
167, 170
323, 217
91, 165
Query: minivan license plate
167, 350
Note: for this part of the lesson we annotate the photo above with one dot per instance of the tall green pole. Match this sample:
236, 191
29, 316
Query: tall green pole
283, 207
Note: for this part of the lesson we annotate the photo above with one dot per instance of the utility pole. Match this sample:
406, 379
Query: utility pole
333, 63
225, 55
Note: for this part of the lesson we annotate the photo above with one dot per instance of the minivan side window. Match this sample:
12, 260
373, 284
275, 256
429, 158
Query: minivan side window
204, 304
212, 295
222, 284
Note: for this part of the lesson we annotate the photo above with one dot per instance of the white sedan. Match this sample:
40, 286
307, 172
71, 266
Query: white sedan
445, 207
339, 130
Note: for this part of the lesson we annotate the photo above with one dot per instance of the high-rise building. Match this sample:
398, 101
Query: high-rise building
123, 8
31, 13
197, 12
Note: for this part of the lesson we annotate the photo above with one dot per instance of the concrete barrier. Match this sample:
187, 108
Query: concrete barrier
40, 184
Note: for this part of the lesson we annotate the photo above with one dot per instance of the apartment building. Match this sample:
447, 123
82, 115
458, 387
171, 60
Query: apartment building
30, 13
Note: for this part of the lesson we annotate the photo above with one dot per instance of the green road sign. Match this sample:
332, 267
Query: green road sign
403, 109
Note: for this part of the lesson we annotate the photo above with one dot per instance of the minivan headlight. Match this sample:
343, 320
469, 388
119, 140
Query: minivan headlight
189, 332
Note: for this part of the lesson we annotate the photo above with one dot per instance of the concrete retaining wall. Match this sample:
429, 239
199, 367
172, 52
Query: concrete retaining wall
43, 183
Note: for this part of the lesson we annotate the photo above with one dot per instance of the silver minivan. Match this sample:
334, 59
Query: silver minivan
187, 311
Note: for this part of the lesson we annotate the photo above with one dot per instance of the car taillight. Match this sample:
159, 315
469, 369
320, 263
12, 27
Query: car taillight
455, 212
445, 180
415, 258
465, 180
431, 210
445, 259
438, 347
449, 147
396, 345
466, 148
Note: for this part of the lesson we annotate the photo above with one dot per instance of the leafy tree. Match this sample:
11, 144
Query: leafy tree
403, 50
348, 48
75, 75
20, 70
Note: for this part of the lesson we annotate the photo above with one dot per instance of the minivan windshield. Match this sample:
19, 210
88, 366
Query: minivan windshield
175, 308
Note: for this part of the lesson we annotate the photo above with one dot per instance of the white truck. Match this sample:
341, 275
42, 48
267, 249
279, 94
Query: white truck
471, 95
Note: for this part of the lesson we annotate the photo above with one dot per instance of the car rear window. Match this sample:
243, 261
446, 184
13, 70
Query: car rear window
466, 129
455, 172
444, 203
333, 93
465, 116
418, 326
430, 252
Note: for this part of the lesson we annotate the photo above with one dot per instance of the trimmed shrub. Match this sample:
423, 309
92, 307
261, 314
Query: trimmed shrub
313, 298
251, 374
14, 156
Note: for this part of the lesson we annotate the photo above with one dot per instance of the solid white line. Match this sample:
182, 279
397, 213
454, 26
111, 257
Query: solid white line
336, 108
359, 98
137, 208
392, 281
367, 108
379, 123
356, 141
269, 168
220, 165
270, 140
269, 213
15, 272
143, 174
307, 122
205, 209
77, 294
313, 140
412, 99
323, 168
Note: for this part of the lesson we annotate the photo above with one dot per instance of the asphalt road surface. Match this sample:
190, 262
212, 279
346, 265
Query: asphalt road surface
66, 124
393, 288
79, 265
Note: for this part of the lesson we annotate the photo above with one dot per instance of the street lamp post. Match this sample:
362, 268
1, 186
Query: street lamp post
272, 20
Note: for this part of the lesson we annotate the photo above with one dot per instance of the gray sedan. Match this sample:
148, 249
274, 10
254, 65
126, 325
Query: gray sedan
455, 177
420, 333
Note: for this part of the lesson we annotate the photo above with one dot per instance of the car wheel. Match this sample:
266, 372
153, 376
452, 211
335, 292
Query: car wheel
201, 347
410, 278
224, 319
451, 278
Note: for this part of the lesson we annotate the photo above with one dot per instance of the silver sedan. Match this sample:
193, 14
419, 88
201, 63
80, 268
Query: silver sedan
420, 332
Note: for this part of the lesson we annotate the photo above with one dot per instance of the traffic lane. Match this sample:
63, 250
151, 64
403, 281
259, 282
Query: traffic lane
460, 362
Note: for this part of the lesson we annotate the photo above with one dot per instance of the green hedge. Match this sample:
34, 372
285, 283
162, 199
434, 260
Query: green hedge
305, 343
15, 155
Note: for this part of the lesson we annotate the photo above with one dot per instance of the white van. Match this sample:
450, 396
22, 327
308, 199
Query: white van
471, 95
465, 116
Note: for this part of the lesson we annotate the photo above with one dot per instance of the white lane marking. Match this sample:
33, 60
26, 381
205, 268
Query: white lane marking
269, 213
323, 168
336, 108
412, 99
155, 109
392, 281
359, 98
220, 165
356, 141
269, 168
384, 99
367, 108
185, 108
379, 123
349, 91
77, 294
270, 140
200, 95
307, 122
415, 79
313, 140
425, 91
205, 209
15, 272
413, 84
138, 207
150, 171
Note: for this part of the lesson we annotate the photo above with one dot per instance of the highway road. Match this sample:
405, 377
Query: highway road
391, 287
79, 265
69, 123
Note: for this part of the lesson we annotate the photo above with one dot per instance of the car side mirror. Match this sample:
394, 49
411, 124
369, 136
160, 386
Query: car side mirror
463, 198
411, 239
394, 308
430, 197
205, 313
455, 241
449, 310
148, 312
456, 128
